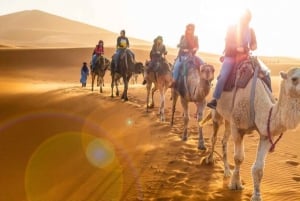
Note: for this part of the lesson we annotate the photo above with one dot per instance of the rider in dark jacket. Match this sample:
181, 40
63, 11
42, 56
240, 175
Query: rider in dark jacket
157, 54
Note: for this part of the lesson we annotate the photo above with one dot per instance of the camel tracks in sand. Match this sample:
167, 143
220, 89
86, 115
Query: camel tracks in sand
293, 163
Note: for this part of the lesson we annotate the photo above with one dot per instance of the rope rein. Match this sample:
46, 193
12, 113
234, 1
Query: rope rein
272, 148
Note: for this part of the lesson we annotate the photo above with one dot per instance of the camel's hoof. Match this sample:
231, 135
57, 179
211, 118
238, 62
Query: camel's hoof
201, 147
209, 160
236, 186
227, 173
151, 106
256, 198
184, 138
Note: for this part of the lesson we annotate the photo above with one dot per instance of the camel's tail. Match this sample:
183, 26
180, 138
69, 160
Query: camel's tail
205, 120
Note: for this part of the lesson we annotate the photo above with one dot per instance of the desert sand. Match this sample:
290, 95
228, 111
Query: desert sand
62, 142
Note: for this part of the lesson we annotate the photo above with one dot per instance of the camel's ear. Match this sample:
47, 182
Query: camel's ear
283, 75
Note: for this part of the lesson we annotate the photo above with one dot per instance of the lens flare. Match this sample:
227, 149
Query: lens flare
100, 153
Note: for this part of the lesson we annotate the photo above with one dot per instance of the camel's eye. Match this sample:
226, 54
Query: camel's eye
295, 80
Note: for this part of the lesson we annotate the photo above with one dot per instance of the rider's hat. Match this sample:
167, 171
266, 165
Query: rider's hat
159, 38
246, 15
190, 26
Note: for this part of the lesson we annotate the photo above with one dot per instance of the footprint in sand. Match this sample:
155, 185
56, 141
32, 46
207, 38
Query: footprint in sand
293, 163
296, 178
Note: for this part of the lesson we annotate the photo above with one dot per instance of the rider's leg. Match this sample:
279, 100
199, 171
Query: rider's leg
176, 69
226, 68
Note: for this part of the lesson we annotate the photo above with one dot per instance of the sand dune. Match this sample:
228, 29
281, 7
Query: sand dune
34, 28
59, 141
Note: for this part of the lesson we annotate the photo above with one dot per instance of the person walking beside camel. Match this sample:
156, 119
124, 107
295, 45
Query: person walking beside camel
84, 74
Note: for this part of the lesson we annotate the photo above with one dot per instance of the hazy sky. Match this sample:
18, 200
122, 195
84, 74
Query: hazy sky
276, 22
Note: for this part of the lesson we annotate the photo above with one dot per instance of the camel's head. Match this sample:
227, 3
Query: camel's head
207, 72
291, 80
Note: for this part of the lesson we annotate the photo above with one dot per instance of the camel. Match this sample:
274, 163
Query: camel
116, 76
262, 114
138, 69
193, 86
115, 79
162, 80
101, 66
125, 68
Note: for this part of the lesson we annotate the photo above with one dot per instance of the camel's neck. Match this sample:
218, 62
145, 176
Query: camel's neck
286, 112
202, 89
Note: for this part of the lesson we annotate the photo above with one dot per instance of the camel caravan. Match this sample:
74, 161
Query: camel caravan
246, 105
246, 102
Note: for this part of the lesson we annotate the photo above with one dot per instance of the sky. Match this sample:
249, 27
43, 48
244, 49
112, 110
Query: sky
276, 22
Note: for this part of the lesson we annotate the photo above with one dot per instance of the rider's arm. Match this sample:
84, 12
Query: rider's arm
127, 41
196, 47
253, 43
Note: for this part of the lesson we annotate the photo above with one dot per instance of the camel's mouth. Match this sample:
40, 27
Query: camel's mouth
294, 92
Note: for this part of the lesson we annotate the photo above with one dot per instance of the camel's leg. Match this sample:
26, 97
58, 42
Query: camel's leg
162, 104
227, 172
186, 118
101, 84
148, 87
200, 108
216, 125
258, 167
98, 80
93, 79
112, 85
239, 156
126, 80
153, 90
127, 86
117, 89
135, 78
174, 101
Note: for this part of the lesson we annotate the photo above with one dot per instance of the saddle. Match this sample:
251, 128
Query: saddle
102, 62
182, 79
243, 71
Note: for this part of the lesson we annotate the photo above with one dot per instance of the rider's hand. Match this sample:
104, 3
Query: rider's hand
240, 49
194, 50
157, 52
185, 50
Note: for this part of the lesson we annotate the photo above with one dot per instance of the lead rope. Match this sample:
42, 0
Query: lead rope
272, 148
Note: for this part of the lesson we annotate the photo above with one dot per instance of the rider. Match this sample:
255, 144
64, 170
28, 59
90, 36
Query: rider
239, 40
188, 46
122, 44
98, 51
156, 55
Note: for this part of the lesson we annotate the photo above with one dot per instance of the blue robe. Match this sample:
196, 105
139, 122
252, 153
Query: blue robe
84, 74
